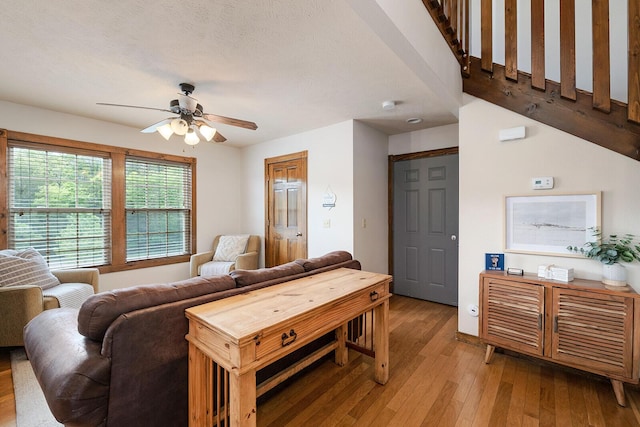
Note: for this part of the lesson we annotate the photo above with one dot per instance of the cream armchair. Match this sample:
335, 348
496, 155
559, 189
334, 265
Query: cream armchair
20, 304
245, 261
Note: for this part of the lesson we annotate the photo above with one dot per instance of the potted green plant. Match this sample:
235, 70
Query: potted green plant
611, 251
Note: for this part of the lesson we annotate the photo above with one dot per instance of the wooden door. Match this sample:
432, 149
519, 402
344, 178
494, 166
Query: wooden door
425, 228
286, 208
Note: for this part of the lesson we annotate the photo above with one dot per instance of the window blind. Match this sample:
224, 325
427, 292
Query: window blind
158, 208
60, 204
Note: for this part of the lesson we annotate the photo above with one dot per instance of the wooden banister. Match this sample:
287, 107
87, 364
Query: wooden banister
538, 79
486, 35
568, 49
601, 60
511, 39
634, 61
452, 19
611, 124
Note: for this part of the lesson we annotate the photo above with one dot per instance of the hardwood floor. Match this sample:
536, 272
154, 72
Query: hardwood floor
7, 399
435, 380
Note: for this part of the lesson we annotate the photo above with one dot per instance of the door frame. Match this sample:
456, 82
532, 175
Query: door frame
398, 158
300, 155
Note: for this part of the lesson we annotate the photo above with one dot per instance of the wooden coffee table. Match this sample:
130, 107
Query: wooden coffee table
230, 339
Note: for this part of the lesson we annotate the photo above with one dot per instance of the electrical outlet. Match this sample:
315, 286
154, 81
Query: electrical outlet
326, 223
473, 310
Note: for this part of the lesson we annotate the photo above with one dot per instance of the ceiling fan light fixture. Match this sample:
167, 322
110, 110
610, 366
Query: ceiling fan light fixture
191, 138
165, 130
179, 126
207, 132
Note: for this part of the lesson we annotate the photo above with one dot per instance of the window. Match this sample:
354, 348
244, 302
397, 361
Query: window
60, 204
158, 209
81, 204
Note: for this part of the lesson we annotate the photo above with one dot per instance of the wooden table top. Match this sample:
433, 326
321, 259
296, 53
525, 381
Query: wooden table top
241, 316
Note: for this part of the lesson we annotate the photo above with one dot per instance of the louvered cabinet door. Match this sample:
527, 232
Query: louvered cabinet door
512, 315
594, 331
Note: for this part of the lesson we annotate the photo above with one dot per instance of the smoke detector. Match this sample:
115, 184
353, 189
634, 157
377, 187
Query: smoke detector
388, 105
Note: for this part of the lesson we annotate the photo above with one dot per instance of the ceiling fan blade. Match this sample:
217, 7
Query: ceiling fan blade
155, 126
230, 121
218, 137
134, 106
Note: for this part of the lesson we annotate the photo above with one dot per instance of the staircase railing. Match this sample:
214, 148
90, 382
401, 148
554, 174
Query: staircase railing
452, 19
593, 116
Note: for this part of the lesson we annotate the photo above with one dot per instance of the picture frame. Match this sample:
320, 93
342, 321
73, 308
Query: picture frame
547, 224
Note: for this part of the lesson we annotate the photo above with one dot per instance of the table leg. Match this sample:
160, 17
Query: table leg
381, 342
341, 352
242, 394
200, 388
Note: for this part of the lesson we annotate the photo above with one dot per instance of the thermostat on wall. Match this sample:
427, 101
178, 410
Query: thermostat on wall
542, 183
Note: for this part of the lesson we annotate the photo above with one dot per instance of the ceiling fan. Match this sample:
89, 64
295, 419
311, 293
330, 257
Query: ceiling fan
192, 121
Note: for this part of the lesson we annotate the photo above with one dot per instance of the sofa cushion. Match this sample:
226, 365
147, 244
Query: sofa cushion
25, 267
100, 310
250, 277
331, 258
230, 247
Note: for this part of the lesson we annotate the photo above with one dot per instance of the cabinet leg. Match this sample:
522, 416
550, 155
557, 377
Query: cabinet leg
489, 354
618, 389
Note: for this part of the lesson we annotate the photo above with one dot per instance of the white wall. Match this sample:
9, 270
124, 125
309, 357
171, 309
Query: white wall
401, 25
370, 219
329, 166
490, 169
219, 177
424, 140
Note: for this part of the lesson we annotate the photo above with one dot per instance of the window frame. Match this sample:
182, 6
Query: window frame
118, 157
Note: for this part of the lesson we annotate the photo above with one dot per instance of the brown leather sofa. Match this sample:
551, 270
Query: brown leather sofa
122, 359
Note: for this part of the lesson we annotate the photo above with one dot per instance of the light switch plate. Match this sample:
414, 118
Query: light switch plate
542, 183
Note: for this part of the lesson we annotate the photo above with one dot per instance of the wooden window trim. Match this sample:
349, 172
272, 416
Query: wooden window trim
118, 229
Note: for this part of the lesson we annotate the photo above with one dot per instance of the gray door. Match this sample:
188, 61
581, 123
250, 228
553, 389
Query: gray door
425, 228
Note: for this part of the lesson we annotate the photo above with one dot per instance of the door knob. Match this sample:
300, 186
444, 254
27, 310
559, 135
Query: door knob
298, 234
454, 237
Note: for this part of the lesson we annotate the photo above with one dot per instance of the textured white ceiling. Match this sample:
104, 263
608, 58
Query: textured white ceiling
288, 65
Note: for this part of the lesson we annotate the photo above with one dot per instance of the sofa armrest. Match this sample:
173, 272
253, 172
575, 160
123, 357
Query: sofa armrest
73, 375
197, 260
248, 261
18, 304
90, 276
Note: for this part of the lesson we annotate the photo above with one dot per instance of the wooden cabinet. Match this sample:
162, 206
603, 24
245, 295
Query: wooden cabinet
581, 324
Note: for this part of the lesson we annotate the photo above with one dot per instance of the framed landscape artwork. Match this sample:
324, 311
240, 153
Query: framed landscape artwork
547, 224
